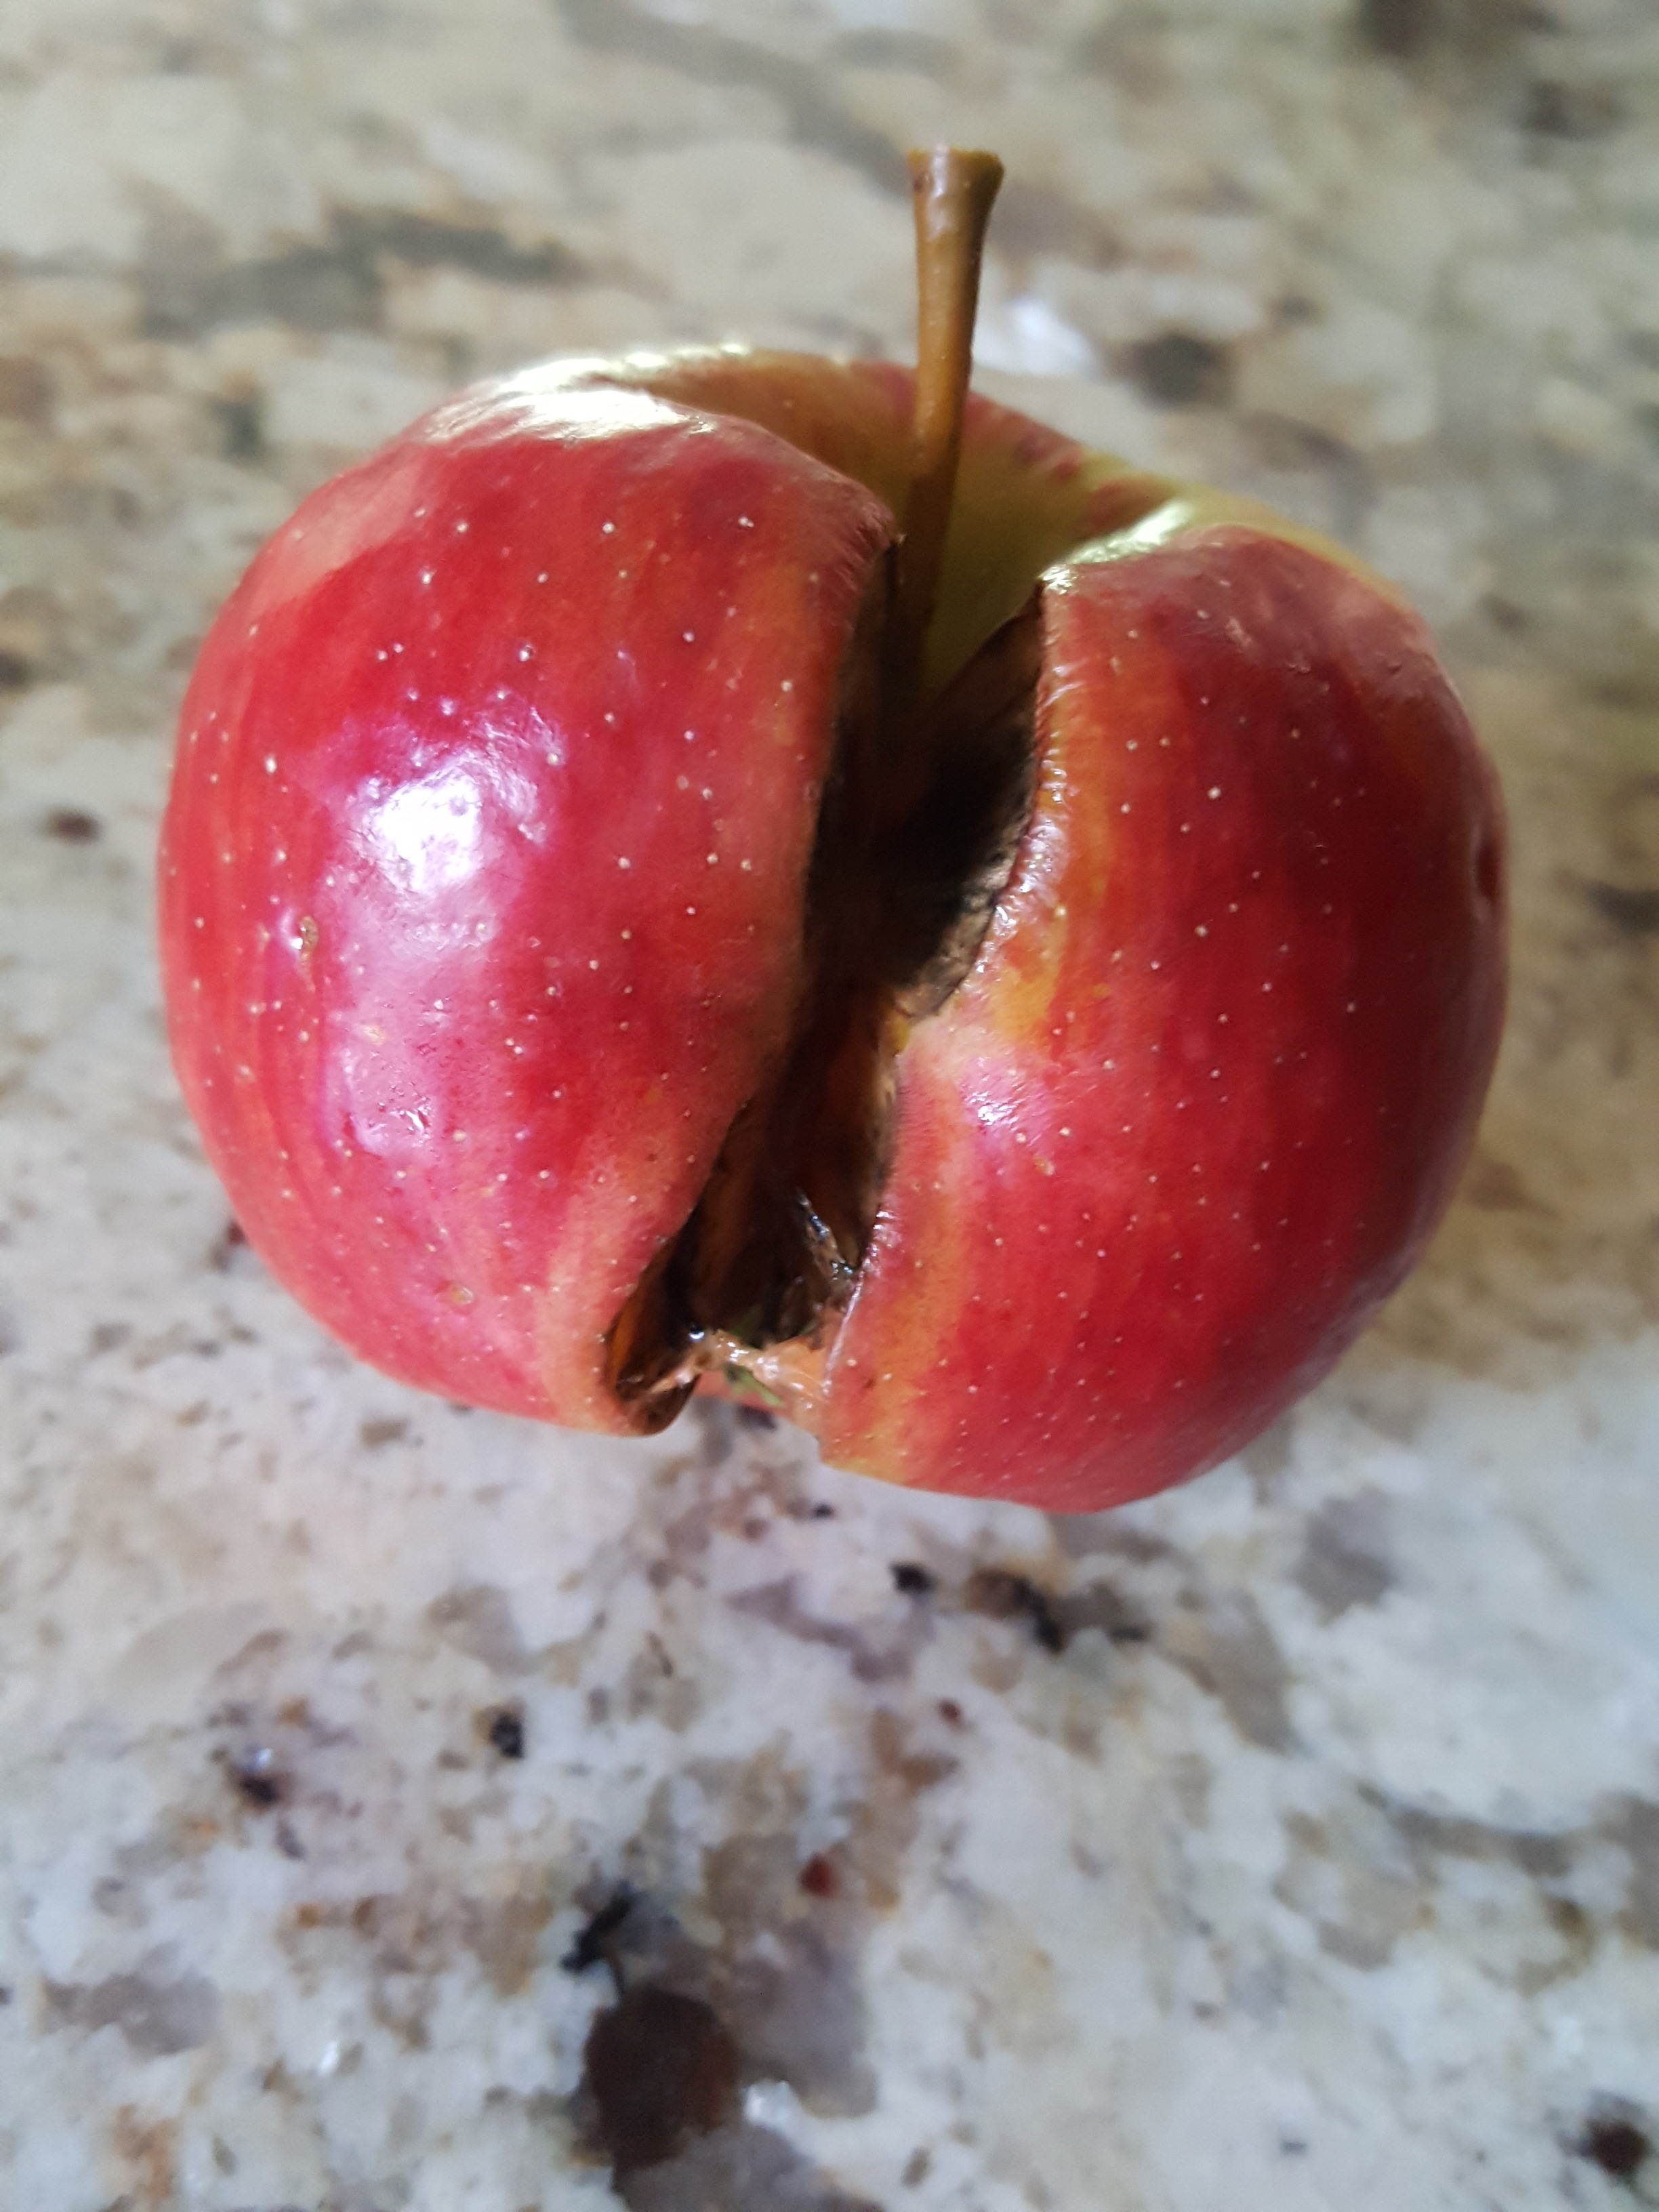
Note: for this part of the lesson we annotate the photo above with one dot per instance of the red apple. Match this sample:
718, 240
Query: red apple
604, 961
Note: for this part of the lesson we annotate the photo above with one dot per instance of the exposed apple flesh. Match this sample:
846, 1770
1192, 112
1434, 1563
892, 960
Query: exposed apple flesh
593, 987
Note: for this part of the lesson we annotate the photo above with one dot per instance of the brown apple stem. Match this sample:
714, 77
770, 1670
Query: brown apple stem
952, 193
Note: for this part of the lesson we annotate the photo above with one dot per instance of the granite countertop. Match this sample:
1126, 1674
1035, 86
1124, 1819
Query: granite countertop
1290, 1841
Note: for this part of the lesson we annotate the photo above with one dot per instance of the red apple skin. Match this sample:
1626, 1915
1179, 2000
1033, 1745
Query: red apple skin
1195, 1110
463, 1073
482, 871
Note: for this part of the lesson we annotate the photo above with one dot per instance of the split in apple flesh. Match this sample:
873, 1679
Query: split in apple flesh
630, 927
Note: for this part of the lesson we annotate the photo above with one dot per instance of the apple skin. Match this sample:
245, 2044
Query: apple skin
482, 873
1207, 1089
471, 955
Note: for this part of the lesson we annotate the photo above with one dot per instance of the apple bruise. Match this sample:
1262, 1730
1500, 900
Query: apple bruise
921, 819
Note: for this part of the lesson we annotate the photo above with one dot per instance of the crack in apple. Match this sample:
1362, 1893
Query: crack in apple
932, 784
918, 831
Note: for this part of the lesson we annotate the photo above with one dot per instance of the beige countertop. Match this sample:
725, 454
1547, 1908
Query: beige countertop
1292, 1840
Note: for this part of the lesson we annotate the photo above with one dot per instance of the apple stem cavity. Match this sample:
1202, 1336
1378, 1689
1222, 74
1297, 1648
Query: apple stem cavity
952, 194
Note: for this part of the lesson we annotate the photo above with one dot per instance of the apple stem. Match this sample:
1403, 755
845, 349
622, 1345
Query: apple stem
952, 193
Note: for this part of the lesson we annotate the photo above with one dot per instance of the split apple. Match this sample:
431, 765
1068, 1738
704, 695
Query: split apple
734, 872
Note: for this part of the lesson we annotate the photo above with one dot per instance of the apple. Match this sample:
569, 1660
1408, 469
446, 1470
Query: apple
734, 871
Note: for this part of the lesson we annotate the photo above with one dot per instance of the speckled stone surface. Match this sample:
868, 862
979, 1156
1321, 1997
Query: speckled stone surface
1291, 1841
